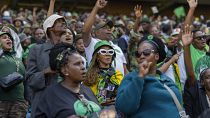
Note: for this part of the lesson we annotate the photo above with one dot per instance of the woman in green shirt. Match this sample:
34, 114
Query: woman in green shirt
12, 103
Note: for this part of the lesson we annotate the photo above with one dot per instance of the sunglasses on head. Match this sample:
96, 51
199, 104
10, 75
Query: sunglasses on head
106, 52
146, 52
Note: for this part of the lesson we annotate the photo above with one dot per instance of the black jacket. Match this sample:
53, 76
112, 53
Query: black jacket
195, 102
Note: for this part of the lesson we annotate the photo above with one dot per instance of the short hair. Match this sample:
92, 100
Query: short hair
202, 73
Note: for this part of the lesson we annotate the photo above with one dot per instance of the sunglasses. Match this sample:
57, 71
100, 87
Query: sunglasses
146, 52
106, 52
200, 38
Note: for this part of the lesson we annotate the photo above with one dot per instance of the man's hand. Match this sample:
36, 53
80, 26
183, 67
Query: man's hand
100, 4
187, 36
138, 11
192, 3
144, 68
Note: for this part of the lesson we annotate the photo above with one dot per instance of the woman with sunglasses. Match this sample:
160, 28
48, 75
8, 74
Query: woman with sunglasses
197, 88
68, 97
102, 78
142, 93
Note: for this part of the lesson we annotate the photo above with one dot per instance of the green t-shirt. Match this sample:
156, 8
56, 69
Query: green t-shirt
8, 65
203, 62
196, 54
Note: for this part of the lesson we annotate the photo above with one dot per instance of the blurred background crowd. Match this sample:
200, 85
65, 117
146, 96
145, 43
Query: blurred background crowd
120, 43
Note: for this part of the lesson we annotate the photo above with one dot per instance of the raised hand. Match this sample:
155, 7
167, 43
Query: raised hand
144, 68
101, 4
187, 36
35, 9
176, 57
138, 11
192, 3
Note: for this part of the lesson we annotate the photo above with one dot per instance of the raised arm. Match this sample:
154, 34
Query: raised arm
138, 13
34, 15
192, 4
2, 9
166, 65
187, 38
90, 21
51, 8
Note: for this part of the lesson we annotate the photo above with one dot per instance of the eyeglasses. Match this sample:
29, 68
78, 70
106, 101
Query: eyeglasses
146, 52
106, 52
200, 38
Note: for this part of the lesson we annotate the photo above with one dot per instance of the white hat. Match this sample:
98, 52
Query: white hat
67, 14
49, 22
6, 13
176, 31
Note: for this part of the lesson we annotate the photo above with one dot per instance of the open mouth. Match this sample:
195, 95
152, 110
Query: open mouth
9, 43
68, 39
84, 74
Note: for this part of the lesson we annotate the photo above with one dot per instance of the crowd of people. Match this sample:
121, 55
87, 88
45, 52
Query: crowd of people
95, 65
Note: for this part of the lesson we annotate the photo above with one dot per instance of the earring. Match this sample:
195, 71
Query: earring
66, 74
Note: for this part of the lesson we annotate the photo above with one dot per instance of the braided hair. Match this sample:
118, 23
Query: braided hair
59, 56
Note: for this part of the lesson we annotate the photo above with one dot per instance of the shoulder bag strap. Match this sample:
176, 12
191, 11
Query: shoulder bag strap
176, 101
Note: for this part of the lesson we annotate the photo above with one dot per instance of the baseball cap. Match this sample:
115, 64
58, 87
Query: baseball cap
176, 31
103, 24
49, 22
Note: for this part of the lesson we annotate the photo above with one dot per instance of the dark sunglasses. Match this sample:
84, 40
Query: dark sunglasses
146, 52
200, 38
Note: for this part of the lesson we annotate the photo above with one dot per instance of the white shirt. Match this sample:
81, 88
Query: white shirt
170, 73
181, 64
117, 63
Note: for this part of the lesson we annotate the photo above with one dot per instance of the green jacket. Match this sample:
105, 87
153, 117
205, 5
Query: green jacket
8, 64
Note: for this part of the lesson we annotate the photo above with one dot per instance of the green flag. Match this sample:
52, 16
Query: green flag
179, 12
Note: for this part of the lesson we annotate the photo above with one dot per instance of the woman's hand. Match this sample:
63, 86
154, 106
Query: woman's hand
144, 68
138, 11
187, 36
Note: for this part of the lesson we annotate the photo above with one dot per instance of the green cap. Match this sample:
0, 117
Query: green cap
145, 20
102, 43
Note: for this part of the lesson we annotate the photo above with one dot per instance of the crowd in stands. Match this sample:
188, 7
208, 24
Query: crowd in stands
64, 64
